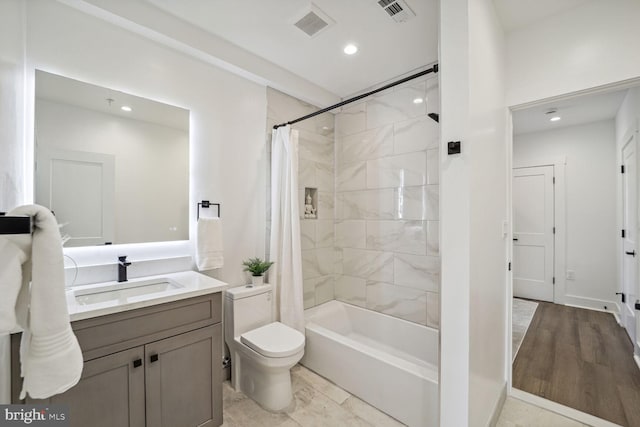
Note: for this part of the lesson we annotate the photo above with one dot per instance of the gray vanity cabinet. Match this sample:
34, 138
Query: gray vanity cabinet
183, 377
158, 366
110, 393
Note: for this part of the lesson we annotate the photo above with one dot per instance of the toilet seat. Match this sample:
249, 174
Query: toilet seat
274, 340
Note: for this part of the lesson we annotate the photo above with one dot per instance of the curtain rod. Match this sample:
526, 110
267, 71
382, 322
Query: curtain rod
434, 69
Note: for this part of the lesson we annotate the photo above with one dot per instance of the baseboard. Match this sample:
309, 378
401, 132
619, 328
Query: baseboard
559, 409
497, 410
618, 319
592, 304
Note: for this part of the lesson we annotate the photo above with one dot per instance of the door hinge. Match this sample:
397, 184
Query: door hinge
509, 265
622, 169
553, 281
623, 233
554, 179
554, 230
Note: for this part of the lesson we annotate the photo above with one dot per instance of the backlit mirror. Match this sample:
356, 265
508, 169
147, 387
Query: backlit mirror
113, 167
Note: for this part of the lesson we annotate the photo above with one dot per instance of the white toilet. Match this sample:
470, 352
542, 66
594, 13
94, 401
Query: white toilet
262, 351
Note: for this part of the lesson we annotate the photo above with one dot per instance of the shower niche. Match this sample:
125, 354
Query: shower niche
310, 203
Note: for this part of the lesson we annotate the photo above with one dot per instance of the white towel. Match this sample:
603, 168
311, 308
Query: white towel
209, 252
15, 251
50, 357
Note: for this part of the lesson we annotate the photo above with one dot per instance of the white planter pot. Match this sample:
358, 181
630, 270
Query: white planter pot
257, 280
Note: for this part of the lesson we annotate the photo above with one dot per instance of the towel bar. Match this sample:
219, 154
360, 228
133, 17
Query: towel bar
15, 224
207, 204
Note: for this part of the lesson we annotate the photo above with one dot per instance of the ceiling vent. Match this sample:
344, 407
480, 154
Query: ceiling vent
397, 9
314, 21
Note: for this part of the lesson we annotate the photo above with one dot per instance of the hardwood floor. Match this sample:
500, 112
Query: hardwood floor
582, 359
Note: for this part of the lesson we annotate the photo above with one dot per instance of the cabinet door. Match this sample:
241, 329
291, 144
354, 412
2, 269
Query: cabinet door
184, 379
110, 392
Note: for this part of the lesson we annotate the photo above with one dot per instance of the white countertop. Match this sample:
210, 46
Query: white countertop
192, 284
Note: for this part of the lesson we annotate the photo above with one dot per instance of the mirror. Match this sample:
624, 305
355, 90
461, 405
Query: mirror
113, 167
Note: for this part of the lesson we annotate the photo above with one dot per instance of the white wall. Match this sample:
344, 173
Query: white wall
588, 46
228, 116
454, 215
11, 102
151, 165
591, 173
473, 205
11, 130
488, 204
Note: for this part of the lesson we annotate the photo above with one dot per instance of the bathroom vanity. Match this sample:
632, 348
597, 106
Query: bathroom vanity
151, 359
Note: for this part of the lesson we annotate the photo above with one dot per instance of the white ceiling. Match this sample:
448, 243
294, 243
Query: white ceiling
575, 111
387, 49
63, 90
516, 14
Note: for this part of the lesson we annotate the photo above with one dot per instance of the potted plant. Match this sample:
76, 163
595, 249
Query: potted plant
257, 268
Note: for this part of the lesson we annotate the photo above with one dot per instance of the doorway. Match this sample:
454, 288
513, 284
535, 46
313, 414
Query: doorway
572, 263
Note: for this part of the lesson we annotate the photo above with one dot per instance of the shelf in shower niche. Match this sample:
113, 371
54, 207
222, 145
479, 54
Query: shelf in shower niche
310, 203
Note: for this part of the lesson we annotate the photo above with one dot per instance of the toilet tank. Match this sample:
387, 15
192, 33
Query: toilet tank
247, 307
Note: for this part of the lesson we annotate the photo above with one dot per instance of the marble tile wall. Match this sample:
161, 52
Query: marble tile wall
315, 170
387, 203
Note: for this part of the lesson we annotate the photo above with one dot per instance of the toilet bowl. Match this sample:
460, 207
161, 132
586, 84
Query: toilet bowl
262, 351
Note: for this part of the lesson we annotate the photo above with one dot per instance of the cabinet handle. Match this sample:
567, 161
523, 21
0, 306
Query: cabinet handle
153, 358
137, 363
515, 239
632, 253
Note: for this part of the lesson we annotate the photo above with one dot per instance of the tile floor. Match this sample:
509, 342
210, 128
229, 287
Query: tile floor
319, 403
516, 413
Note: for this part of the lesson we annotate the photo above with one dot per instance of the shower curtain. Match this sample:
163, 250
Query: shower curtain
285, 249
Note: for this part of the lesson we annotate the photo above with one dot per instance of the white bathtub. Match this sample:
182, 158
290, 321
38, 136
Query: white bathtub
390, 363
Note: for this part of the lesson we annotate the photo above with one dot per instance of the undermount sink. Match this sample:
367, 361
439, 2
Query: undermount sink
123, 292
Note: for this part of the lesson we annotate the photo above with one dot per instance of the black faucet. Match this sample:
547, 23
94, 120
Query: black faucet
122, 268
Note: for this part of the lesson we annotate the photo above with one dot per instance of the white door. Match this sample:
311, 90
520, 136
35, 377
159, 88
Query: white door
629, 242
533, 230
79, 188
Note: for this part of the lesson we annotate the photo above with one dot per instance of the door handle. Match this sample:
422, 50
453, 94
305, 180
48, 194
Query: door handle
632, 253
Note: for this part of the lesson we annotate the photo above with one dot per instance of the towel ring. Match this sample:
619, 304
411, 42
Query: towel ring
206, 204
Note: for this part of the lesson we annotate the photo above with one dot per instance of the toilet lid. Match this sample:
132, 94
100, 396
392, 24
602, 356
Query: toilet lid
274, 340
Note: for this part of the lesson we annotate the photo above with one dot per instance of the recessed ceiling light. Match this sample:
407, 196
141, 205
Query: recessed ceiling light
125, 108
350, 49
418, 101
555, 119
